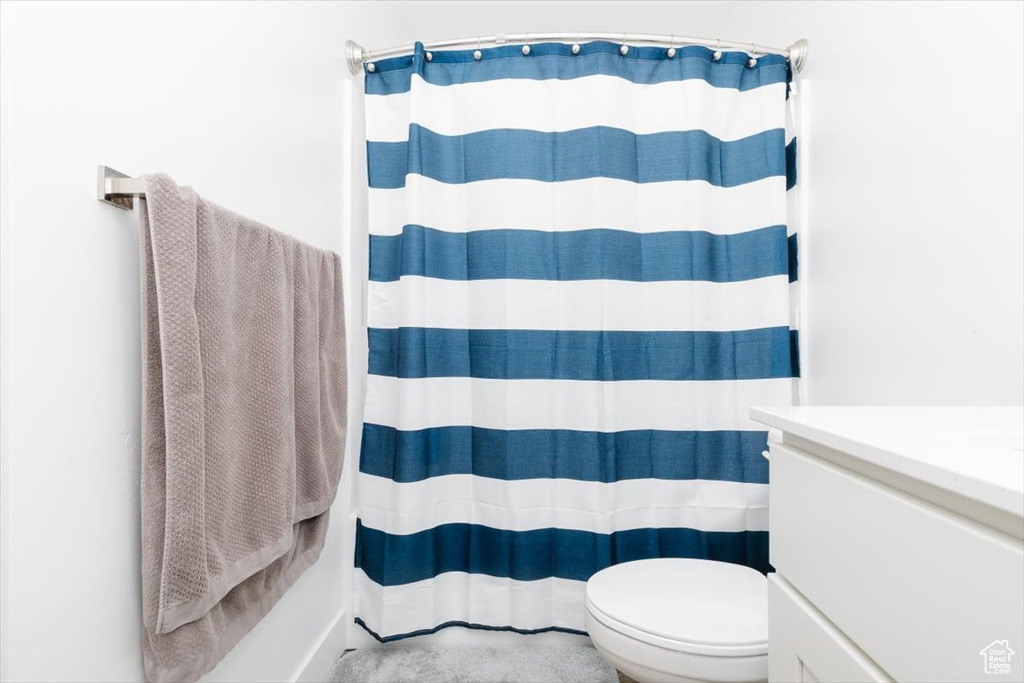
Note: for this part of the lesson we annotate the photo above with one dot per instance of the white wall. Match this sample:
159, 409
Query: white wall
243, 101
916, 224
384, 23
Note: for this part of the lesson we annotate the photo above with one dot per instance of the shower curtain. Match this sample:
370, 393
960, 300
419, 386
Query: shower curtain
580, 279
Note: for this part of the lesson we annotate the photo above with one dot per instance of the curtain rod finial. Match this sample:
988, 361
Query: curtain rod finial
353, 56
798, 53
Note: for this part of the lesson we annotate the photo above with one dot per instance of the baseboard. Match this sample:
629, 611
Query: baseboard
327, 651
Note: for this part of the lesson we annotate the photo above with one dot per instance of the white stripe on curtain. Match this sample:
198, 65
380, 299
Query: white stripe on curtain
475, 599
519, 204
410, 404
417, 301
577, 103
407, 508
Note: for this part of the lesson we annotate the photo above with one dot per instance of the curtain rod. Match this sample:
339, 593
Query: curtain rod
356, 55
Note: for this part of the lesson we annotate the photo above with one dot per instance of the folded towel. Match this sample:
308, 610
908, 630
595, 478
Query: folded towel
243, 422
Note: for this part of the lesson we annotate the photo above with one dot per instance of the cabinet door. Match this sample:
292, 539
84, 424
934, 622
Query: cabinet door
917, 588
803, 647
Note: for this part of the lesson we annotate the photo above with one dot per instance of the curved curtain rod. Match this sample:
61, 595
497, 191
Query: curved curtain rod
356, 55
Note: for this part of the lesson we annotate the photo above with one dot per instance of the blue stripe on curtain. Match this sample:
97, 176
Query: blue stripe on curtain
514, 455
643, 65
396, 559
597, 151
793, 258
794, 351
414, 352
791, 164
579, 255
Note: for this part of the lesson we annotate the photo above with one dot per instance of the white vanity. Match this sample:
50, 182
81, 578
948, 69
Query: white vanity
897, 535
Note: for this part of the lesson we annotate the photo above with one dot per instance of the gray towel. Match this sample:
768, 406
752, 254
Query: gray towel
243, 422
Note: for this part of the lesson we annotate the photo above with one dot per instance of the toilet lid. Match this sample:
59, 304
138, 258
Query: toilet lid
699, 605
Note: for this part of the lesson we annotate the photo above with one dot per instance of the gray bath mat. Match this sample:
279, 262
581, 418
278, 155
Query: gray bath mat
437, 664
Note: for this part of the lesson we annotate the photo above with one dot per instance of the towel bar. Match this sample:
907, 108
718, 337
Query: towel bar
118, 189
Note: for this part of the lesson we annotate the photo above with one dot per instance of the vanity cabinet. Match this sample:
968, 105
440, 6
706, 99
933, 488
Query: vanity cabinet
897, 540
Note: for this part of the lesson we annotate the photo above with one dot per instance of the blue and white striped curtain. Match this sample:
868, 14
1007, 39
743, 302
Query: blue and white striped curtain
580, 277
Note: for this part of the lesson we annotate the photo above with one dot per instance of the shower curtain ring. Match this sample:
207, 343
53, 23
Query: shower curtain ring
671, 46
624, 50
718, 50
526, 46
477, 54
752, 62
576, 45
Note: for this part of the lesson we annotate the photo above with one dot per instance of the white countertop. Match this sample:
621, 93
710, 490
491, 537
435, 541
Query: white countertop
977, 453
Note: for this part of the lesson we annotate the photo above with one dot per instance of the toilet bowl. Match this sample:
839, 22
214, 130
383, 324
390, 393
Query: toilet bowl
668, 620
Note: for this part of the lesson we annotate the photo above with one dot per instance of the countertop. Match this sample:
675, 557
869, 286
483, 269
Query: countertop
977, 453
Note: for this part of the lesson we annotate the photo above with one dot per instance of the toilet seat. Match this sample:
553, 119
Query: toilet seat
698, 607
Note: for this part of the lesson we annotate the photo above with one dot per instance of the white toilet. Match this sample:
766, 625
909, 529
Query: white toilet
669, 620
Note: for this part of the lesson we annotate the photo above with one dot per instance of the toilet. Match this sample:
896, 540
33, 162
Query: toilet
668, 620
